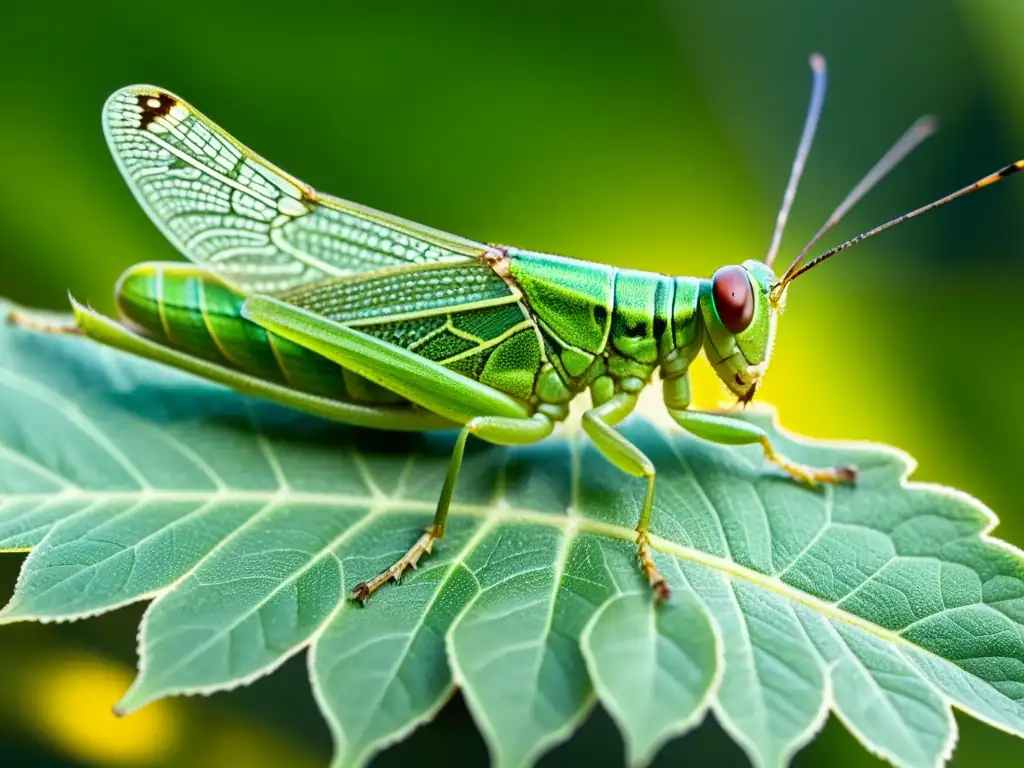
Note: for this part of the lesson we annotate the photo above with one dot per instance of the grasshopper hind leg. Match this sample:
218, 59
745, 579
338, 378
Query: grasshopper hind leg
423, 546
493, 429
44, 324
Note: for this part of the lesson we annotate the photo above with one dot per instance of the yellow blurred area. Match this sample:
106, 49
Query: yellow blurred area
61, 695
67, 700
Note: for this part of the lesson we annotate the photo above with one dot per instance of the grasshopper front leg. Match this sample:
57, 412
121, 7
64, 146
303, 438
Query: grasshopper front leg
723, 430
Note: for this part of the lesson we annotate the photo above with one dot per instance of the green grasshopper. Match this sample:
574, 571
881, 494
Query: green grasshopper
368, 319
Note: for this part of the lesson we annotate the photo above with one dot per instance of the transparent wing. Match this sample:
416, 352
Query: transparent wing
259, 228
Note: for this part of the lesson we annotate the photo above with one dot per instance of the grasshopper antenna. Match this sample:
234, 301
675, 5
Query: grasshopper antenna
910, 140
820, 76
992, 178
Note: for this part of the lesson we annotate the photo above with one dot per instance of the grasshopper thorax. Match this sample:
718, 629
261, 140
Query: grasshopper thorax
739, 317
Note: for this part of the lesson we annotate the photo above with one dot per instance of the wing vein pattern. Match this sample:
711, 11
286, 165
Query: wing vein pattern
260, 229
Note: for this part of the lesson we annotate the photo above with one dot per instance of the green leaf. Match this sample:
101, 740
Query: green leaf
247, 525
671, 652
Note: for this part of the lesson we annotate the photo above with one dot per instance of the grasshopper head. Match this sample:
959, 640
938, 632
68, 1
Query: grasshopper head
739, 313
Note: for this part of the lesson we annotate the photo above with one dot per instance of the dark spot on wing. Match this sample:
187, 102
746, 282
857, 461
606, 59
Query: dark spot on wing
600, 314
154, 105
659, 327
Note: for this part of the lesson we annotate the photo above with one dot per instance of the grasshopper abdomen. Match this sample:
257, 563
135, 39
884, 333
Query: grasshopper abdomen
190, 310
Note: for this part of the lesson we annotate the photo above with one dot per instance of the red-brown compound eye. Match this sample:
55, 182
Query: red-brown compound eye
734, 299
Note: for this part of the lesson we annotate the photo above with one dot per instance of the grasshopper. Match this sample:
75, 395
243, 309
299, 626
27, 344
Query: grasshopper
362, 317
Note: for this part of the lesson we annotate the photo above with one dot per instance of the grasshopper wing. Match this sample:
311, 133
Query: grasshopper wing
260, 229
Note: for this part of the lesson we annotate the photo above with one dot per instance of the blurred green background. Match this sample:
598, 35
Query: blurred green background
651, 134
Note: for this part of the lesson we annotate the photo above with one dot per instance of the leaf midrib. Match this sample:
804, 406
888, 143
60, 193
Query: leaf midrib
384, 505
572, 523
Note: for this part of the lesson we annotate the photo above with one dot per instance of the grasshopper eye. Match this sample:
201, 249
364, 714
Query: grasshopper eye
734, 299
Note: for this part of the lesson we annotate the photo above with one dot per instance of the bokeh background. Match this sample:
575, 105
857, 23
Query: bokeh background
653, 133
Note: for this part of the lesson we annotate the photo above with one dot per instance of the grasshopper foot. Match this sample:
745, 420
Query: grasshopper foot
42, 324
657, 582
809, 475
410, 559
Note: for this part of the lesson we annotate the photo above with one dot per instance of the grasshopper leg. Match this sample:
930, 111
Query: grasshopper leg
598, 423
487, 413
493, 429
724, 430
424, 544
458, 398
41, 324
424, 382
